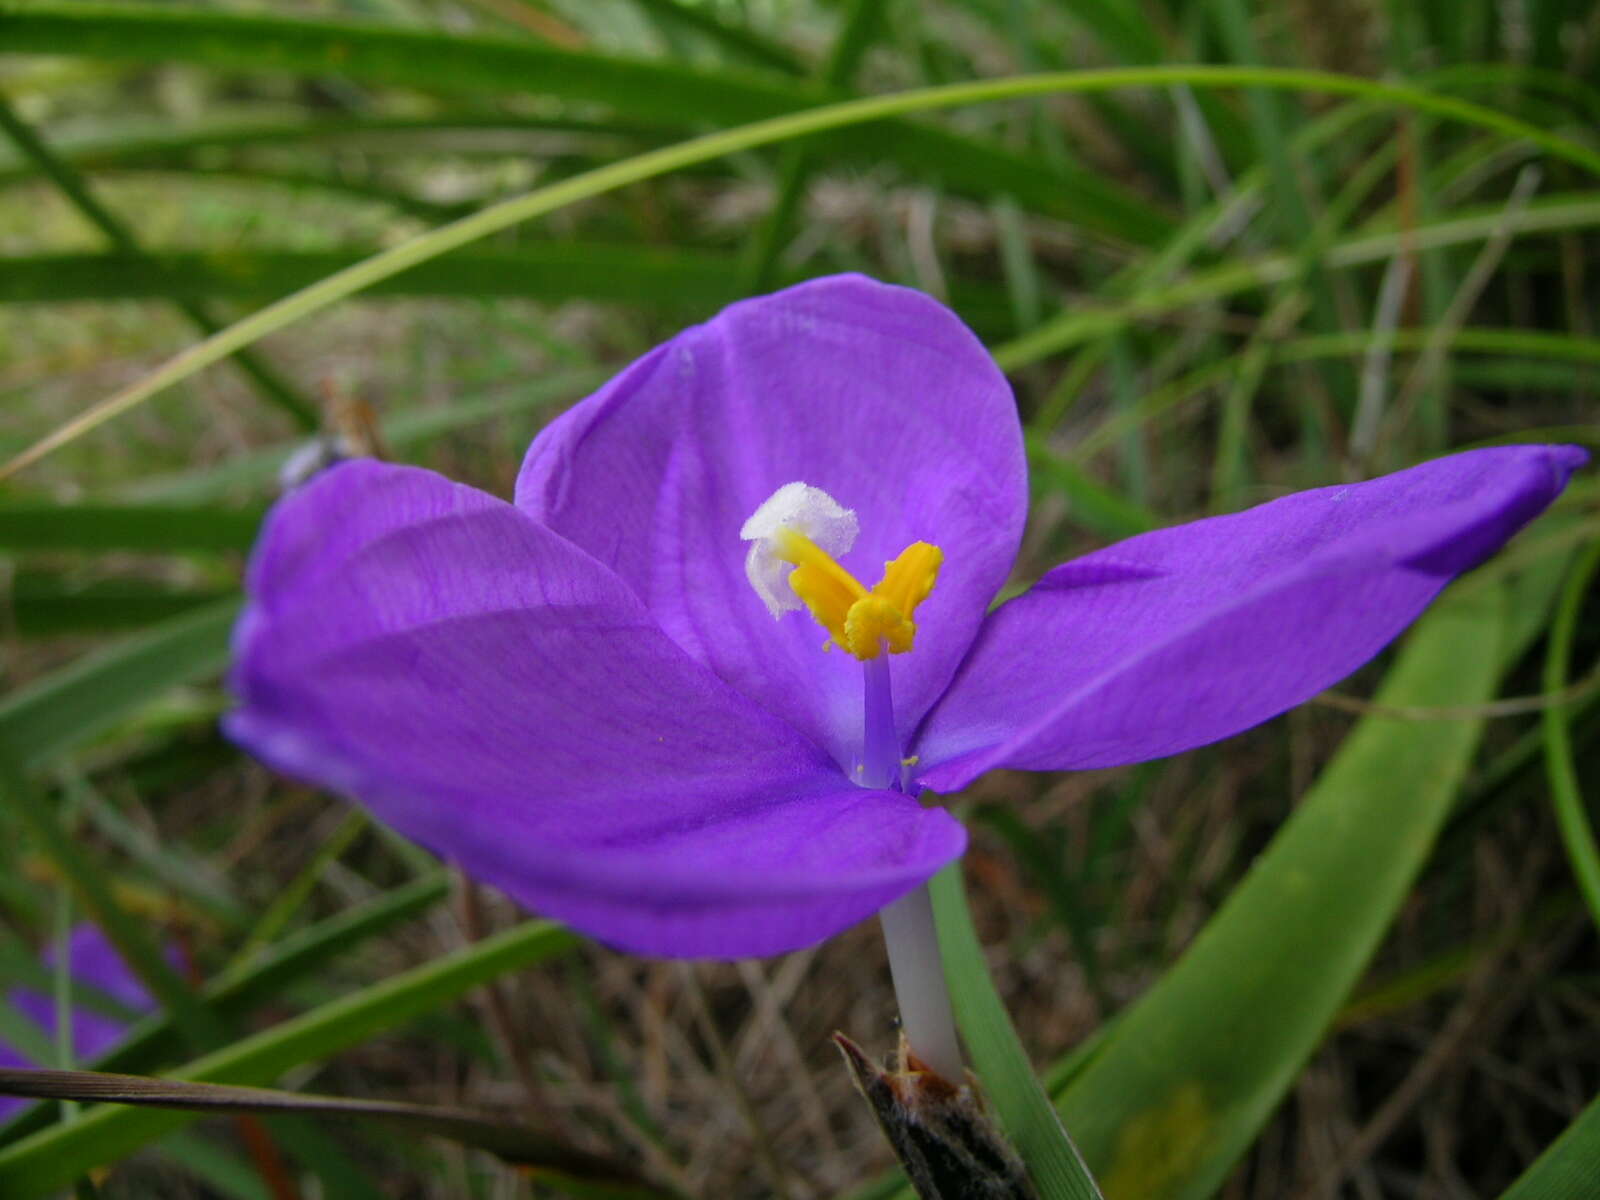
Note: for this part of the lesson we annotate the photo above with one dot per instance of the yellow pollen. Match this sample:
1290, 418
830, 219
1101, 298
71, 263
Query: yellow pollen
860, 621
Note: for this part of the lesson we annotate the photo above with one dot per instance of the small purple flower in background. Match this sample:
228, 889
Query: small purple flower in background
93, 963
585, 697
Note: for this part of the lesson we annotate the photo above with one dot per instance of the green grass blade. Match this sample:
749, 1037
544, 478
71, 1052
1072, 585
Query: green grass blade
292, 896
676, 279
403, 432
861, 24
219, 1168
51, 1159
271, 384
1577, 834
68, 708
1197, 1066
1569, 1168
647, 89
546, 200
751, 47
1090, 503
149, 529
1580, 210
1562, 348
689, 283
141, 142
91, 885
237, 993
41, 606
511, 1141
998, 1057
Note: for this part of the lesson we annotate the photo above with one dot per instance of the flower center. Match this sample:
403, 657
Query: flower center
794, 537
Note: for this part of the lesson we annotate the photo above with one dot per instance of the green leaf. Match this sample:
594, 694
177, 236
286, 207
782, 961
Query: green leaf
153, 529
42, 604
273, 386
741, 42
406, 431
71, 706
829, 118
1549, 214
1090, 504
554, 270
52, 1158
649, 89
238, 993
143, 142
1197, 1066
998, 1057
694, 282
514, 1143
1569, 1168
1577, 833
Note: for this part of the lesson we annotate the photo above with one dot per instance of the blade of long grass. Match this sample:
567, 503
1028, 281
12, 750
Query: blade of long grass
1198, 1065
164, 143
296, 182
1080, 324
1511, 343
66, 709
405, 431
1090, 503
1568, 1168
545, 200
175, 866
1211, 229
862, 20
512, 1143
271, 384
39, 1164
282, 910
1042, 855
240, 991
200, 1026
1577, 834
214, 1165
650, 89
998, 1056
1295, 191
674, 279
688, 282
744, 44
152, 529
42, 605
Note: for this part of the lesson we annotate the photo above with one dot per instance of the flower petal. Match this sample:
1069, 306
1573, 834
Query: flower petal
495, 693
1186, 635
879, 396
94, 963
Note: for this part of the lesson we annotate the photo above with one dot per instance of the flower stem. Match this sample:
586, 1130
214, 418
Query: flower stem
919, 985
908, 931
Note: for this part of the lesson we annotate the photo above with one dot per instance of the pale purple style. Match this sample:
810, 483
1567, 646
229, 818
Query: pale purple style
94, 963
580, 699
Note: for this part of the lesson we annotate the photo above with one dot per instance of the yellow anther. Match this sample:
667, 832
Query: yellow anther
827, 588
909, 578
860, 621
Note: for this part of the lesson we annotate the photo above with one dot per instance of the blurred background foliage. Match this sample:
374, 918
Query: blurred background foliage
1205, 296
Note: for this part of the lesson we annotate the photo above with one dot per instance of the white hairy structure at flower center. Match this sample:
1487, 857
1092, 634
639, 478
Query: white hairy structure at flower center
793, 508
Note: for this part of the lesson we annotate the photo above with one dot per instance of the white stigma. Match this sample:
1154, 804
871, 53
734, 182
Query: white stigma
803, 509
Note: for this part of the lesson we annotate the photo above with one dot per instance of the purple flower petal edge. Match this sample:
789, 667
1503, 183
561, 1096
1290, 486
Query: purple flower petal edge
1180, 637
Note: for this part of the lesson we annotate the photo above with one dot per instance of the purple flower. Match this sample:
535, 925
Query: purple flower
584, 698
95, 964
